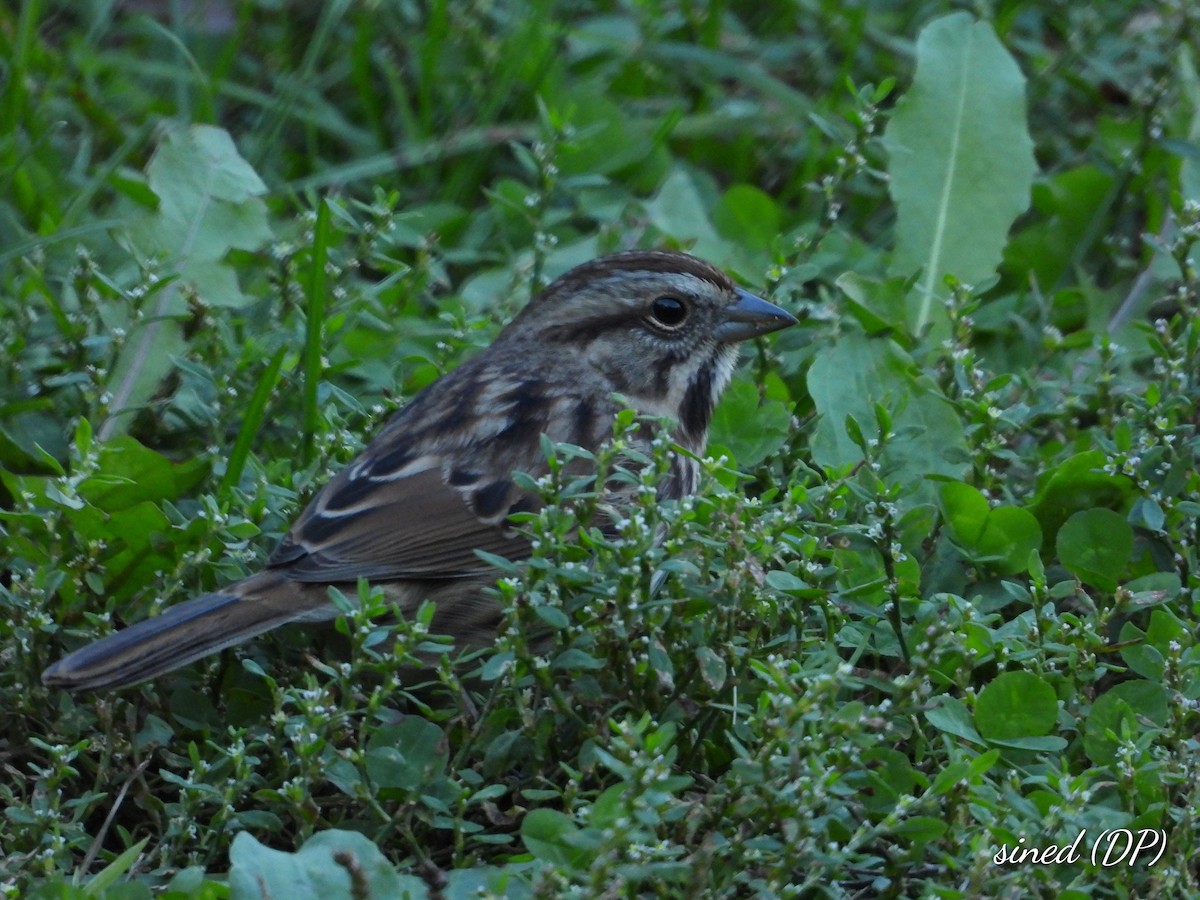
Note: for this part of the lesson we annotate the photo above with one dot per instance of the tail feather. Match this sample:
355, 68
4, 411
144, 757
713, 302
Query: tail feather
188, 631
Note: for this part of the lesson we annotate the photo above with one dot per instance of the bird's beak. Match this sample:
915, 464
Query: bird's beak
750, 317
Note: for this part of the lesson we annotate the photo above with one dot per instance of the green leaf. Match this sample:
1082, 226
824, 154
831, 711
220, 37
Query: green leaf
1189, 82
983, 763
960, 159
1096, 545
1079, 482
108, 876
1048, 744
953, 717
1119, 710
949, 777
854, 374
510, 881
1148, 656
1142, 658
678, 211
208, 204
879, 305
1003, 537
885, 776
750, 427
332, 864
1016, 705
779, 580
574, 658
922, 829
202, 162
141, 366
130, 473
550, 836
252, 419
408, 755
712, 667
748, 217
966, 511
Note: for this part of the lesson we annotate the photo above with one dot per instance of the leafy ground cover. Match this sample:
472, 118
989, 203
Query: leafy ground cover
934, 611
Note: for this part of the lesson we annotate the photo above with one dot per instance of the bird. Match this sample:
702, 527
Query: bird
653, 330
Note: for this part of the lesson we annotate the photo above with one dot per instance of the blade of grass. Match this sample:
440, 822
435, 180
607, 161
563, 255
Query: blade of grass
292, 87
253, 420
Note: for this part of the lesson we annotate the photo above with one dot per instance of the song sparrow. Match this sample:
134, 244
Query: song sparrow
659, 329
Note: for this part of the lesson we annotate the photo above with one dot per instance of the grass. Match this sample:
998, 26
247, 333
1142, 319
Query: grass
935, 605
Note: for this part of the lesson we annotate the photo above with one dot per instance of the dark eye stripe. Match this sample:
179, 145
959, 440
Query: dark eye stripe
588, 329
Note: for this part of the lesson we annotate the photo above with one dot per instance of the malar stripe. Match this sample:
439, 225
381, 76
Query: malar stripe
583, 421
696, 411
663, 369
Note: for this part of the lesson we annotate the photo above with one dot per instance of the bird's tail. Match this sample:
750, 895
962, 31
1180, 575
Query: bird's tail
188, 631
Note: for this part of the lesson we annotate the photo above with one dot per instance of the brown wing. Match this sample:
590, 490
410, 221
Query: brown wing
436, 483
413, 526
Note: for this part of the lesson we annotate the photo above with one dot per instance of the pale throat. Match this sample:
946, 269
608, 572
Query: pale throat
721, 362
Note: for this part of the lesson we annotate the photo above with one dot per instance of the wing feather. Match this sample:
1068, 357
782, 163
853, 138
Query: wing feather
436, 483
414, 527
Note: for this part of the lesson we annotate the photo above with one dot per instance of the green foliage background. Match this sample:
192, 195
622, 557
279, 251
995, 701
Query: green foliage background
937, 600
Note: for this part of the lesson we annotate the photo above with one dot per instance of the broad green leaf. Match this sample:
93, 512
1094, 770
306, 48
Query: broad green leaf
854, 374
1078, 483
952, 717
779, 580
323, 868
879, 305
1016, 705
208, 204
750, 427
202, 162
1142, 658
1003, 537
408, 755
678, 211
1131, 706
1096, 544
886, 774
749, 217
130, 473
574, 658
960, 159
146, 359
712, 667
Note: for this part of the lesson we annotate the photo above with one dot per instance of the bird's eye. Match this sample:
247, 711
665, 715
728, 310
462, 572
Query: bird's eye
668, 311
